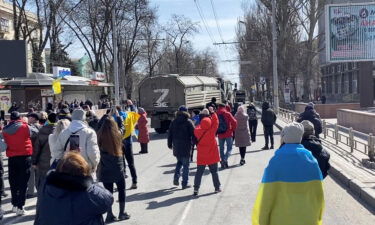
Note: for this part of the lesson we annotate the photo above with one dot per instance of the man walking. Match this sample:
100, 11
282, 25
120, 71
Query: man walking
227, 126
181, 132
17, 136
33, 121
268, 120
311, 115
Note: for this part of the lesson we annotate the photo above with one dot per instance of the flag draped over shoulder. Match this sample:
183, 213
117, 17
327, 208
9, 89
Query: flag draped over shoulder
291, 192
130, 122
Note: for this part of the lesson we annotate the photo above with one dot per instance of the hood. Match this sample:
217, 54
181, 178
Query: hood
13, 127
205, 123
265, 105
222, 110
182, 116
312, 143
60, 184
47, 129
76, 125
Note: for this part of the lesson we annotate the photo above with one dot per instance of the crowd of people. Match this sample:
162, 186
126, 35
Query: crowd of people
73, 159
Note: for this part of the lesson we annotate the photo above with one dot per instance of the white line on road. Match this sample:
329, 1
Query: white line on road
186, 211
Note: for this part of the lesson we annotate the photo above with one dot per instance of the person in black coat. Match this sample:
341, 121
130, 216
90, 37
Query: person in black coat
253, 121
311, 115
112, 165
268, 120
180, 137
70, 196
314, 145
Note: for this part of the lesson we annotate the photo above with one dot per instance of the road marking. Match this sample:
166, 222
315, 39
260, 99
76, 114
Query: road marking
18, 218
185, 213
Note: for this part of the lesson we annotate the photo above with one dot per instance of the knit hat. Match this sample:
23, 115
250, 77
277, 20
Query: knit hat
34, 115
292, 133
52, 118
141, 110
79, 114
15, 115
183, 108
308, 128
310, 104
205, 112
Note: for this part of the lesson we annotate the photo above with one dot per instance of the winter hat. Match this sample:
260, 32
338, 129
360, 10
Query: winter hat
183, 108
205, 112
205, 123
52, 118
310, 104
34, 115
15, 115
292, 133
308, 127
141, 110
79, 114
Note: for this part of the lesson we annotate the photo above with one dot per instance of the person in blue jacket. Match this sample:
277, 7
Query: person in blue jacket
70, 196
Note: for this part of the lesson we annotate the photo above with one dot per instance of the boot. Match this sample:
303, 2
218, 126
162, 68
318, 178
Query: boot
272, 142
143, 149
122, 214
110, 217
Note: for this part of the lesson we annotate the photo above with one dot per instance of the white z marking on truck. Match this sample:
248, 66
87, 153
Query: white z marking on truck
160, 102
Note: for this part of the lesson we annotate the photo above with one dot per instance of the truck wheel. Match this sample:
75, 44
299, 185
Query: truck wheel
164, 127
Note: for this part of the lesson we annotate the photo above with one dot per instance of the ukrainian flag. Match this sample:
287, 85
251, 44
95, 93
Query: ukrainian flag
291, 192
130, 122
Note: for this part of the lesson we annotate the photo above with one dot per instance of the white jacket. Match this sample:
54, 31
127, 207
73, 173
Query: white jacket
88, 143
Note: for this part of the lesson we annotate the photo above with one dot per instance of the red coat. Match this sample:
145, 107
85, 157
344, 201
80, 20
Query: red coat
205, 132
143, 136
17, 137
231, 122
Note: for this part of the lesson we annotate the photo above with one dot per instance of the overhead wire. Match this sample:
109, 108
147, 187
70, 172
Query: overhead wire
204, 20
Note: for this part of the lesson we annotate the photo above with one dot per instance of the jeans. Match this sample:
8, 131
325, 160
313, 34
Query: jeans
120, 188
214, 174
128, 151
184, 164
19, 174
253, 124
225, 156
268, 134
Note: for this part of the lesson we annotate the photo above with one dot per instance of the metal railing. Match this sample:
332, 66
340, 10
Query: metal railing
336, 134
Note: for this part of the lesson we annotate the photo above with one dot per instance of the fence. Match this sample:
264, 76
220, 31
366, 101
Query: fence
335, 134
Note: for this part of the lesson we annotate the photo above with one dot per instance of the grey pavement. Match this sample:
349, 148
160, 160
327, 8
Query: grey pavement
157, 201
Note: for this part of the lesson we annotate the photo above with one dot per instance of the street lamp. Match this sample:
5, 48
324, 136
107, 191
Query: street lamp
274, 61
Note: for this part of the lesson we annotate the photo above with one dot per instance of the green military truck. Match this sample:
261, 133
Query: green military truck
162, 95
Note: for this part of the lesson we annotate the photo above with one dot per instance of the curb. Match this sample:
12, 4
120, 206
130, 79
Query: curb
366, 194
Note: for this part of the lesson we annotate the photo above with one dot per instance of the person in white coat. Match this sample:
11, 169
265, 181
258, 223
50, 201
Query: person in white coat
53, 138
88, 142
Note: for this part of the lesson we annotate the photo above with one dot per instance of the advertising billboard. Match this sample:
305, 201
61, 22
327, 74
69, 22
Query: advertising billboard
5, 100
350, 32
100, 76
13, 60
60, 72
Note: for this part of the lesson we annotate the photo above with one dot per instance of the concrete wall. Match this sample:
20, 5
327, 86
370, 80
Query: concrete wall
327, 110
358, 120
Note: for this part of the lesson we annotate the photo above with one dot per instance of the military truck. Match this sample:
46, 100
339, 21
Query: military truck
162, 95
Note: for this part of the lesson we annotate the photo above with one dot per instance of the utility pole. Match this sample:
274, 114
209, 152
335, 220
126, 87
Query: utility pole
115, 59
274, 61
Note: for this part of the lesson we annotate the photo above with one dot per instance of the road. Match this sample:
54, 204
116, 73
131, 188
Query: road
157, 201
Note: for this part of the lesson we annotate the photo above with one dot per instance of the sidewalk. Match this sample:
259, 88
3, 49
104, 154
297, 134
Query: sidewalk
346, 166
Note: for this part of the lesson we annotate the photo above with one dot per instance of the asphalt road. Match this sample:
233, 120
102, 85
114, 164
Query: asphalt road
157, 201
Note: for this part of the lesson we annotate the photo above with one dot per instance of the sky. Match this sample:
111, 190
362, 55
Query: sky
228, 13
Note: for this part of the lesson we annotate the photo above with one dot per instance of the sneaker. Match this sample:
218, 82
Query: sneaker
226, 165
185, 186
271, 147
14, 209
21, 212
218, 190
143, 152
195, 193
110, 219
134, 186
124, 216
265, 148
222, 164
242, 162
176, 183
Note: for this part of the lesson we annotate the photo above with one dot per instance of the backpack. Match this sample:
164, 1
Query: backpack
223, 126
252, 114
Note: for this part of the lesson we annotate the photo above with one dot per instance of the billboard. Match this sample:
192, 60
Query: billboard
5, 100
13, 59
350, 32
100, 76
60, 72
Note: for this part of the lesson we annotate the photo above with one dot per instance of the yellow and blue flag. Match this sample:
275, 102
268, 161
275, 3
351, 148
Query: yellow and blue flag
56, 86
130, 122
291, 192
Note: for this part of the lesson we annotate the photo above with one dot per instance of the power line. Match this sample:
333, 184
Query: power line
217, 22
203, 20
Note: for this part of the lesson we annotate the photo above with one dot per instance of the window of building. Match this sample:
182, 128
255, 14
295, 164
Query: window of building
4, 25
350, 80
342, 91
329, 84
356, 82
337, 84
350, 66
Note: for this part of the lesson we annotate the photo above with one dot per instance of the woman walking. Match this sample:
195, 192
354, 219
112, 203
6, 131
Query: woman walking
207, 150
253, 121
53, 138
242, 134
112, 165
143, 136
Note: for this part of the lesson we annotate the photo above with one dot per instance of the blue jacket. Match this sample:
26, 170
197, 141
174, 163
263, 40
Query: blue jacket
69, 200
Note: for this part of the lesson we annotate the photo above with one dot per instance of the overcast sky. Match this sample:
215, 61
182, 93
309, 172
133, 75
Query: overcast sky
227, 11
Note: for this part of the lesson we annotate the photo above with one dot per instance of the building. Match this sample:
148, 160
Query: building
340, 81
7, 28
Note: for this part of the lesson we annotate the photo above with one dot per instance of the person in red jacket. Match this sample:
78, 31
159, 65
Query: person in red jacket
143, 136
17, 136
227, 126
208, 152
